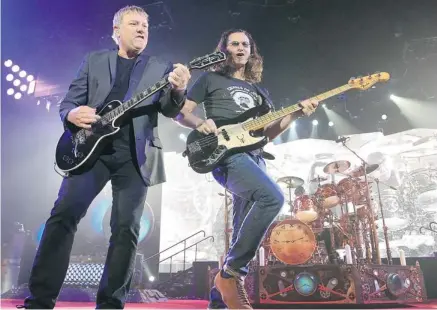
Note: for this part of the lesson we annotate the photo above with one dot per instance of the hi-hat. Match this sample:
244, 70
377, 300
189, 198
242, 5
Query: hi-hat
290, 181
339, 166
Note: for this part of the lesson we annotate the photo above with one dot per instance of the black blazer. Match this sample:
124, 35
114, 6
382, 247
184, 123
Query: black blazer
93, 84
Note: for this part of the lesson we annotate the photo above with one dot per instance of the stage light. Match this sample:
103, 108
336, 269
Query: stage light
151, 278
315, 122
20, 79
183, 137
331, 124
17, 96
10, 91
384, 117
392, 96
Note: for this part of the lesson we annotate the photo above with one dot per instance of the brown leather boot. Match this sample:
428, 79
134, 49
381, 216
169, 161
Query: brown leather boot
233, 293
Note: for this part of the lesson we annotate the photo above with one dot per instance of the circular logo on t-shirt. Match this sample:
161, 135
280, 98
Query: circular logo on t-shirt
244, 100
243, 97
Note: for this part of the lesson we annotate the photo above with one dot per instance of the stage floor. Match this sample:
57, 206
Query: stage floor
202, 304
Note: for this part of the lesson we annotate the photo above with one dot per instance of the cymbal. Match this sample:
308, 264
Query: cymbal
267, 155
359, 172
291, 182
339, 166
319, 179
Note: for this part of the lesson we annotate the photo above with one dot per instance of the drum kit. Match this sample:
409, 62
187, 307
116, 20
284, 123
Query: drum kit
343, 209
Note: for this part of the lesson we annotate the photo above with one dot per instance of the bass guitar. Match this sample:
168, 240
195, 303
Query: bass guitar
81, 148
206, 152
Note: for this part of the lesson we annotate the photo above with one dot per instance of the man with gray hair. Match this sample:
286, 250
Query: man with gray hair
132, 160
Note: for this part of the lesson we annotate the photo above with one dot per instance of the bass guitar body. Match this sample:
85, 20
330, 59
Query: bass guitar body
207, 152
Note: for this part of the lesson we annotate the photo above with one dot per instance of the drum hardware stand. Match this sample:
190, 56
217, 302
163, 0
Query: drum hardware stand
356, 225
428, 228
333, 259
376, 257
228, 202
389, 258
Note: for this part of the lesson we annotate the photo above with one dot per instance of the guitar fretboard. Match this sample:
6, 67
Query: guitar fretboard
110, 116
264, 120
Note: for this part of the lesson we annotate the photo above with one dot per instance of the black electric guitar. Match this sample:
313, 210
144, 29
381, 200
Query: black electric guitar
81, 148
206, 152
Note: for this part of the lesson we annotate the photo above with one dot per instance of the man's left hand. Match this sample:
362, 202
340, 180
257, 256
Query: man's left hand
179, 77
309, 106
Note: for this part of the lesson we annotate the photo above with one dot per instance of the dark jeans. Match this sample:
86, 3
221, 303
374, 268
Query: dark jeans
257, 200
75, 196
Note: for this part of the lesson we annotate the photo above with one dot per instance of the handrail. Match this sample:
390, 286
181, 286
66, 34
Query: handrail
183, 240
195, 253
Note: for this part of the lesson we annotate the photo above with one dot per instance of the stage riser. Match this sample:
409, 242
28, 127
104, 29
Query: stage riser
334, 284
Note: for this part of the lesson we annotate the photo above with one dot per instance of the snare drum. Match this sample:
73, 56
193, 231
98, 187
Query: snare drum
305, 209
327, 195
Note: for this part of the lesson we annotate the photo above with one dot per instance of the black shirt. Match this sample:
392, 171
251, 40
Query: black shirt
223, 97
121, 140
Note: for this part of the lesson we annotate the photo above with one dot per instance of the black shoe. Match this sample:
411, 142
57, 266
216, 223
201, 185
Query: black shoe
216, 305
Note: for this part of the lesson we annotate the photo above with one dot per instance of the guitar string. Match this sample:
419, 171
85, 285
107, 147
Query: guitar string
211, 138
208, 139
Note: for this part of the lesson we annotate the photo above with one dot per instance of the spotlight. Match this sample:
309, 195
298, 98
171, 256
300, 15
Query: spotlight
183, 137
20, 79
151, 278
384, 117
392, 96
331, 124
315, 122
10, 91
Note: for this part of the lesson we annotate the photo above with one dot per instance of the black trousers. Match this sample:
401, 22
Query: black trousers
74, 198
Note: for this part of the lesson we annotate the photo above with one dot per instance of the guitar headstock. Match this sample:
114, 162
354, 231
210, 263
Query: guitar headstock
207, 60
368, 81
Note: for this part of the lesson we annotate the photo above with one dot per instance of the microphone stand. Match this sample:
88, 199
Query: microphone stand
387, 246
376, 257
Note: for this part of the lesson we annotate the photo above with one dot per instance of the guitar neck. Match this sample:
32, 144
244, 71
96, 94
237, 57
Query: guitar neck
264, 120
134, 101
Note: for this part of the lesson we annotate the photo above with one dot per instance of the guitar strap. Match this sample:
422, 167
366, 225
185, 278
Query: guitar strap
265, 97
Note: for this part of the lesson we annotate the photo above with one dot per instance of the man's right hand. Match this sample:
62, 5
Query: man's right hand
208, 127
83, 116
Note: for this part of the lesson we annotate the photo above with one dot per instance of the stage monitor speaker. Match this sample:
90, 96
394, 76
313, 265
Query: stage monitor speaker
201, 270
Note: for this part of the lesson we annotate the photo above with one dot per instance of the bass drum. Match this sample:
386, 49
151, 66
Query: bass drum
292, 242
